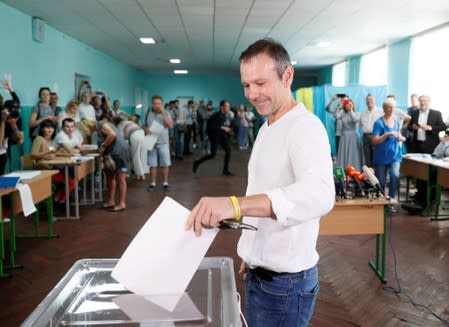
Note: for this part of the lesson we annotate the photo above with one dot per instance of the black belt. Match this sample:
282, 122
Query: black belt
266, 274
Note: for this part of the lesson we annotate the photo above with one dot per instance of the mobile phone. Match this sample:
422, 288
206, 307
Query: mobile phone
341, 95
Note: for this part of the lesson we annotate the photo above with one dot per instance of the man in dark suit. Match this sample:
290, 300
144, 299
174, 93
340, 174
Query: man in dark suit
218, 131
425, 126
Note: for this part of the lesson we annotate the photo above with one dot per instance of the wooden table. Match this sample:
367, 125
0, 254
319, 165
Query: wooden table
358, 217
442, 181
82, 168
41, 190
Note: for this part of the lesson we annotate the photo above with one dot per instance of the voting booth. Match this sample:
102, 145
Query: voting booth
89, 296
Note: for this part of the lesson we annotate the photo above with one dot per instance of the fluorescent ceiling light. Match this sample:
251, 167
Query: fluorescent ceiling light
323, 44
181, 71
175, 61
147, 40
139, 106
293, 62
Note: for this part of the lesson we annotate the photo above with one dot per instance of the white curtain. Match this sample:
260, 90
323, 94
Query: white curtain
429, 69
339, 74
373, 68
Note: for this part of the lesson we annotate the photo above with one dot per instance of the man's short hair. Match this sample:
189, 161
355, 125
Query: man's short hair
67, 120
155, 97
273, 49
222, 102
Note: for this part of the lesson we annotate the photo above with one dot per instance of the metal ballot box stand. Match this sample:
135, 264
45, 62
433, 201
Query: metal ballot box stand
88, 296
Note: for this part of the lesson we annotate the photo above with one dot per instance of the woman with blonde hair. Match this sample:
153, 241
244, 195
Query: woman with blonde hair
70, 111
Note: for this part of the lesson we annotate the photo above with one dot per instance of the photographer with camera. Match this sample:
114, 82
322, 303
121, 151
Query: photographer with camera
330, 109
10, 124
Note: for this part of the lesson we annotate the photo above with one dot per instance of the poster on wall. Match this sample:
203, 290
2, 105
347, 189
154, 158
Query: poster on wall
80, 80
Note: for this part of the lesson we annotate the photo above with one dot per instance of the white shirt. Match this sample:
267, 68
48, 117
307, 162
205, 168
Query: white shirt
291, 164
422, 120
368, 118
62, 138
87, 111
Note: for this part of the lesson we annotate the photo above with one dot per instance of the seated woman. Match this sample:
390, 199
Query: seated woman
42, 149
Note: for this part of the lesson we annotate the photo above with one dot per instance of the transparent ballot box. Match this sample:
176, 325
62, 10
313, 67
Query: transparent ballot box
88, 296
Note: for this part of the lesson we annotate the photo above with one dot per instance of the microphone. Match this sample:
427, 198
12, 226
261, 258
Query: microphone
373, 180
340, 176
352, 172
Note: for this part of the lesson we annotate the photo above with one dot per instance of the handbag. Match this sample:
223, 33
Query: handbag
109, 163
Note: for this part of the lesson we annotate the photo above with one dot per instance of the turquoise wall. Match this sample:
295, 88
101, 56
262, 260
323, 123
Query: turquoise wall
398, 71
207, 87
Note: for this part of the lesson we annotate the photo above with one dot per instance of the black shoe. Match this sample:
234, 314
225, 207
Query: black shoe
412, 208
195, 166
391, 209
166, 187
227, 173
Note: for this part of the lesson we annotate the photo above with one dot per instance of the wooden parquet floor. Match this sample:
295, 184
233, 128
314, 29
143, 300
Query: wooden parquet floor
350, 295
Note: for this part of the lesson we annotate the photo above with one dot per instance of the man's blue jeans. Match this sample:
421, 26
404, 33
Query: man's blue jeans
393, 170
287, 300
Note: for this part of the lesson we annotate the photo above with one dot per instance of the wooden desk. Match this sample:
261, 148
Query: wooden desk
82, 168
419, 168
358, 217
442, 181
41, 190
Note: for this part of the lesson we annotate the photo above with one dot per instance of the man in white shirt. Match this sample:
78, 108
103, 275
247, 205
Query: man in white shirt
68, 139
290, 186
86, 110
367, 119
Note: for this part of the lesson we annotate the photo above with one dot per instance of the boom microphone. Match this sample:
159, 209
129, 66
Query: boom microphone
354, 174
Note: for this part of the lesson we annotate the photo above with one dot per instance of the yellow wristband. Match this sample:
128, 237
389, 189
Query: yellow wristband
235, 204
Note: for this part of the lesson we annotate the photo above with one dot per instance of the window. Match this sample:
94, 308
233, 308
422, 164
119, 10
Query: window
429, 68
339, 74
373, 68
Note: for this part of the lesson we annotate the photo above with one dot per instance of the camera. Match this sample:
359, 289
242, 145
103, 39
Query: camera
341, 95
13, 108
446, 132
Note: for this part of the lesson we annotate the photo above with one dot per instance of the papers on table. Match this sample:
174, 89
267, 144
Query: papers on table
150, 139
24, 175
82, 158
27, 199
163, 257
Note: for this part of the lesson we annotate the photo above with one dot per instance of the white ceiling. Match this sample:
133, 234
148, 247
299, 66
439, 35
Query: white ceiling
209, 35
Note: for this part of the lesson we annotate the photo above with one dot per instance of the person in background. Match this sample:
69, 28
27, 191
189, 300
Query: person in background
43, 149
367, 119
116, 111
189, 110
414, 104
86, 111
10, 125
180, 114
250, 117
350, 152
69, 139
41, 111
200, 112
442, 149
159, 156
105, 107
387, 156
54, 103
243, 128
115, 153
290, 186
338, 123
70, 111
425, 125
218, 131
135, 136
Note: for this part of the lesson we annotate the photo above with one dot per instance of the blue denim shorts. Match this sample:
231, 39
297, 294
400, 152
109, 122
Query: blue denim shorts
280, 299
161, 153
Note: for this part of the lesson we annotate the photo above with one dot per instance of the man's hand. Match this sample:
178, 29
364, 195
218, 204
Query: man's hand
243, 269
146, 130
7, 85
4, 115
415, 127
426, 127
209, 212
226, 129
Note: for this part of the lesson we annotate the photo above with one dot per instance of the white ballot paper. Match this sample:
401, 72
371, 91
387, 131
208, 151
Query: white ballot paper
27, 199
150, 139
163, 257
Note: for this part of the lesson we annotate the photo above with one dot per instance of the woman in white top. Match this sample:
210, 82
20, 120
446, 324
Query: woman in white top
70, 111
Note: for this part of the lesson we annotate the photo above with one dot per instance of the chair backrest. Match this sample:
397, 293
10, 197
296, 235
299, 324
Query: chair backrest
27, 162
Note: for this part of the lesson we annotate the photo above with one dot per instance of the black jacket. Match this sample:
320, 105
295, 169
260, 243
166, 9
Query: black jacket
435, 120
